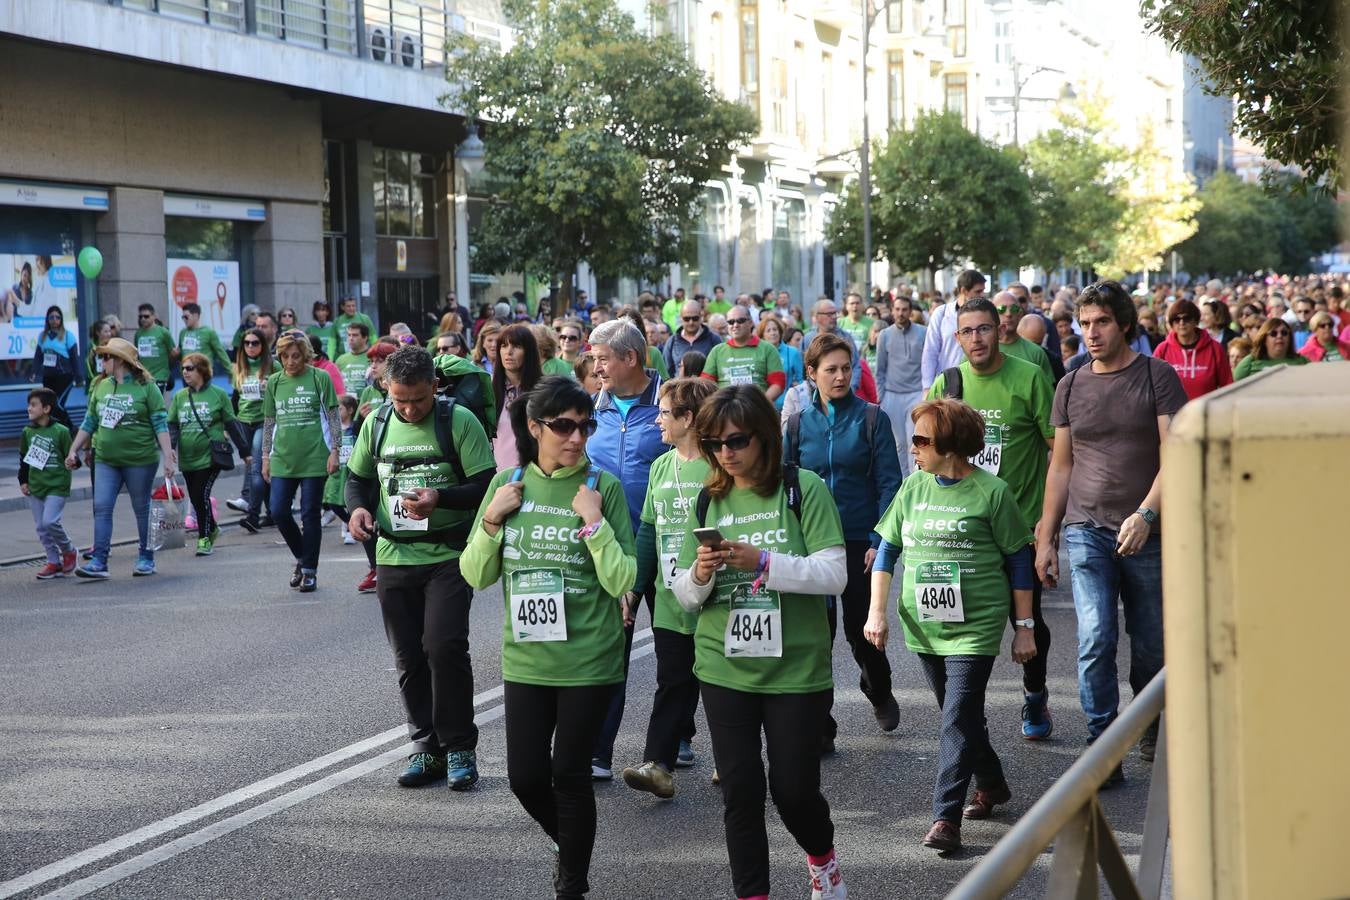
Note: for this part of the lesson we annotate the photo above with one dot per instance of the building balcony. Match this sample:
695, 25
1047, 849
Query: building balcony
841, 14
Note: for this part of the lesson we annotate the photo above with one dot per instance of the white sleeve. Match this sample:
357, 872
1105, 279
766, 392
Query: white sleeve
691, 595
823, 572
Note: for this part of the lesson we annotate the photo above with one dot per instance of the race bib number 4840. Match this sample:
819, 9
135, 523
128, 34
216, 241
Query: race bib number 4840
937, 592
537, 610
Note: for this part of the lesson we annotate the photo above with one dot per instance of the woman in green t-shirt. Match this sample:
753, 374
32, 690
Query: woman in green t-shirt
959, 529
556, 533
1272, 346
762, 643
200, 414
126, 414
302, 434
252, 368
674, 482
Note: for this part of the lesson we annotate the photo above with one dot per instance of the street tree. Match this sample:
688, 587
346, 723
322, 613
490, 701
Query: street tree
941, 196
1160, 208
1078, 188
1282, 62
599, 140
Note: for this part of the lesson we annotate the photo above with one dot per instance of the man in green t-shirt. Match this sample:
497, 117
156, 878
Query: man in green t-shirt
1010, 312
1014, 397
858, 326
198, 338
348, 316
354, 365
420, 496
744, 359
718, 303
155, 347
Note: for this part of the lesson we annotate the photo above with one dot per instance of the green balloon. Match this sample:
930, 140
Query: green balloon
91, 262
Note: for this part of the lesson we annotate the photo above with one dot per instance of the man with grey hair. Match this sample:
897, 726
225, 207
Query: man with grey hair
626, 442
717, 323
825, 319
692, 335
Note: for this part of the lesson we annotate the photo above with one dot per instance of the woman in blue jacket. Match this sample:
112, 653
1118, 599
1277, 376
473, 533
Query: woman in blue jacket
848, 443
57, 358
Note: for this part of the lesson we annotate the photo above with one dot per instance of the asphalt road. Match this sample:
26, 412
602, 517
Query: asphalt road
209, 733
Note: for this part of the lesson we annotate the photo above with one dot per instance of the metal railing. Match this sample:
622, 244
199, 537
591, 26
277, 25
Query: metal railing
322, 24
1070, 816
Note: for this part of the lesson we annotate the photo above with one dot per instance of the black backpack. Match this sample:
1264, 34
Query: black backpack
791, 484
952, 387
455, 535
794, 437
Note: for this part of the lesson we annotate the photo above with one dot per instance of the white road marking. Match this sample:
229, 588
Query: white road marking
187, 842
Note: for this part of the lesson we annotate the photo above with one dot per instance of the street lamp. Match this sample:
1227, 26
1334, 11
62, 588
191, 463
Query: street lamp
1065, 93
471, 152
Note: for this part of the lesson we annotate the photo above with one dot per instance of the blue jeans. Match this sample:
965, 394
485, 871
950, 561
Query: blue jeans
304, 545
255, 490
140, 480
1099, 577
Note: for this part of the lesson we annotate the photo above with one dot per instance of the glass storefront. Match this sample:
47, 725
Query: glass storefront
789, 241
704, 268
486, 287
747, 251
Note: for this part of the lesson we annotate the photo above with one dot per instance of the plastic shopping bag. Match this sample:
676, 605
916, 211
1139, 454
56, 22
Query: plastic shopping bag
166, 519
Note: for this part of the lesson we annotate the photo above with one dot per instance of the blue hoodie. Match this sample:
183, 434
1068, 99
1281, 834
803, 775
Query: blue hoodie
626, 445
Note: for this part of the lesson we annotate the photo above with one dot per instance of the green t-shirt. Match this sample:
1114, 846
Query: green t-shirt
656, 361
153, 345
859, 330
672, 487
1032, 353
541, 541
44, 450
1015, 403
405, 441
334, 489
123, 418
750, 364
250, 391
714, 307
558, 366
955, 536
205, 341
328, 338
299, 404
768, 523
371, 394
1250, 365
671, 311
353, 368
341, 323
212, 407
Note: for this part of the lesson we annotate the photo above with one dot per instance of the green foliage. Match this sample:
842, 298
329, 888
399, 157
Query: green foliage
1160, 208
1078, 188
1281, 59
601, 139
941, 195
1244, 228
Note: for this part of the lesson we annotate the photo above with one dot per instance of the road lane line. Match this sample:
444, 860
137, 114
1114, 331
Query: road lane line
163, 826
192, 840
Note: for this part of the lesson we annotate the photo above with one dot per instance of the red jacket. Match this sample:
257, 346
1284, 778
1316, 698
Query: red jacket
1315, 352
867, 387
1202, 368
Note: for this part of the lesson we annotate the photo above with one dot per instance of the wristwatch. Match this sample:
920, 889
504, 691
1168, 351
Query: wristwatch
1025, 623
1148, 515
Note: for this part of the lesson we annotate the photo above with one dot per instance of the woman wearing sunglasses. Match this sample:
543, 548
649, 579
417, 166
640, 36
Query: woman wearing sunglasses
960, 530
556, 533
1272, 346
1201, 362
1323, 346
762, 642
252, 367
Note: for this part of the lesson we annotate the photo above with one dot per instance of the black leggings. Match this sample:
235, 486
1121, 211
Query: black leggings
60, 385
342, 514
874, 678
1033, 670
199, 485
549, 735
793, 725
676, 697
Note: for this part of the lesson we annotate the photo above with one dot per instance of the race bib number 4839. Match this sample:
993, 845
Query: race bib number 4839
537, 610
937, 592
754, 624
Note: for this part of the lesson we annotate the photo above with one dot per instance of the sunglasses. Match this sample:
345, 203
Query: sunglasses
1175, 319
287, 315
189, 368
692, 318
1279, 332
1010, 309
565, 428
186, 317
254, 343
921, 441
1323, 325
569, 337
735, 443
738, 321
145, 315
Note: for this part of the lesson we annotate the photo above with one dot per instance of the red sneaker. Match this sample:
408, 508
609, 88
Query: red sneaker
68, 561
367, 585
50, 570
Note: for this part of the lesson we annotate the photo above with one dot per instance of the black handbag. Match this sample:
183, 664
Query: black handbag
222, 454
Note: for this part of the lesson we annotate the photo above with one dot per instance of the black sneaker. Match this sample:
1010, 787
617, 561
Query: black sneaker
887, 713
249, 524
266, 522
1148, 744
296, 576
308, 583
423, 769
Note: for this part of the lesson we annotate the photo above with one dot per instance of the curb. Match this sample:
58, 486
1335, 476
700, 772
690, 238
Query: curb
16, 504
15, 561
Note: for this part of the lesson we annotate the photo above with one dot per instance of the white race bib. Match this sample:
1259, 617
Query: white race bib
146, 347
37, 457
754, 624
111, 416
251, 390
191, 343
991, 457
398, 515
344, 453
537, 609
49, 360
670, 543
741, 375
937, 592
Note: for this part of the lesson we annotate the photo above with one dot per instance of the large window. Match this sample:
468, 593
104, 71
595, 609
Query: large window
334, 194
750, 52
789, 237
704, 269
955, 87
1003, 42
895, 89
954, 15
405, 193
895, 16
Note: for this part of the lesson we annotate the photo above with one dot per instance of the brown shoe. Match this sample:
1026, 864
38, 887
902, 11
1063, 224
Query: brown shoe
982, 806
944, 837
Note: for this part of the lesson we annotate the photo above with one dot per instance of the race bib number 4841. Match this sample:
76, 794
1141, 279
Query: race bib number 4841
937, 592
537, 610
754, 624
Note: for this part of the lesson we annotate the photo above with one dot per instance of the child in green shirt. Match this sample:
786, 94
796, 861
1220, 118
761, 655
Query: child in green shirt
45, 481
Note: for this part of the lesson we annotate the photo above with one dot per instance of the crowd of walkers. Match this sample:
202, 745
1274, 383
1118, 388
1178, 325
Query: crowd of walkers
751, 479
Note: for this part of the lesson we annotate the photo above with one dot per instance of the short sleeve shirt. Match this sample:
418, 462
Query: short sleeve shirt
300, 404
743, 365
672, 490
212, 410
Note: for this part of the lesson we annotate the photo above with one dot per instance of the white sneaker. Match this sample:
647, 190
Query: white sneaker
329, 517
347, 537
827, 883
238, 504
600, 773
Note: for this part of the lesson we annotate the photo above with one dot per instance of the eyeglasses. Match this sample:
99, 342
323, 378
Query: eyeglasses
565, 428
253, 343
735, 443
921, 441
1009, 309
1177, 319
692, 318
832, 313
981, 330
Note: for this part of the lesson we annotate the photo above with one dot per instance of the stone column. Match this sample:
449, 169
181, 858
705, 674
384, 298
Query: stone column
131, 238
288, 257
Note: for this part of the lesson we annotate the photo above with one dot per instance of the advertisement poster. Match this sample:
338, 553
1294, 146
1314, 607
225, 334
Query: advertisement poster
211, 284
29, 284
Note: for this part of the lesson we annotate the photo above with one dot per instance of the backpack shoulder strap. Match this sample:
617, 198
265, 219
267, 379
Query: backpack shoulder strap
381, 425
870, 411
592, 477
445, 436
792, 483
951, 383
793, 443
517, 474
701, 507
